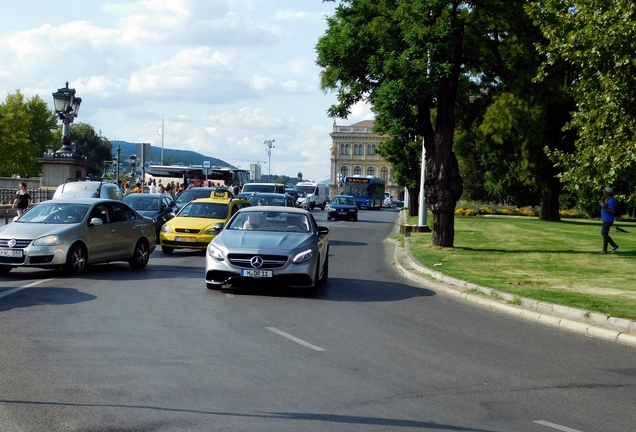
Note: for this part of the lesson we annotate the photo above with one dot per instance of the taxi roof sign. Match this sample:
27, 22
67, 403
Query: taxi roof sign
225, 194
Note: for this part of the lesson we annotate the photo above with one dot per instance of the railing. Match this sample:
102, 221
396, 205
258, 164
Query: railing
7, 196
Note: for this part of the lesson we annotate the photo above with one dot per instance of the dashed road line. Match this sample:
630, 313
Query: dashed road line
555, 426
15, 290
295, 339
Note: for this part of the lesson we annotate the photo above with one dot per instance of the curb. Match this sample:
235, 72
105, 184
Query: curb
592, 324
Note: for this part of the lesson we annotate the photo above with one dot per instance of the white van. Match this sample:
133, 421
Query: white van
264, 187
311, 195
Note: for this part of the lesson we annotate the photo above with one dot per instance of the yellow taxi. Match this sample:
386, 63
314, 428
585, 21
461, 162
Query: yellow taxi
193, 226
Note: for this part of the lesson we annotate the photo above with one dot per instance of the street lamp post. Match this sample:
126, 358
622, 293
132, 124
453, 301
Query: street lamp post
66, 107
270, 146
133, 163
117, 170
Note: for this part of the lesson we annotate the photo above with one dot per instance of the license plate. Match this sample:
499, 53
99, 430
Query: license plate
342, 213
256, 273
186, 239
13, 253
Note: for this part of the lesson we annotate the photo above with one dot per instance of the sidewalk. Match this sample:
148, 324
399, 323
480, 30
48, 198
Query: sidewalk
581, 321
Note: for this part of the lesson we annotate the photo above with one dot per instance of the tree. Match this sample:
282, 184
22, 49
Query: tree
96, 149
406, 59
597, 39
25, 131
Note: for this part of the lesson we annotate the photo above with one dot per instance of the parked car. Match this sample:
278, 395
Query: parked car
342, 207
272, 199
156, 206
264, 187
194, 226
76, 232
266, 245
77, 188
397, 203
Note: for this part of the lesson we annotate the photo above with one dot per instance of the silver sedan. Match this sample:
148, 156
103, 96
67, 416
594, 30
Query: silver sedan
267, 245
73, 233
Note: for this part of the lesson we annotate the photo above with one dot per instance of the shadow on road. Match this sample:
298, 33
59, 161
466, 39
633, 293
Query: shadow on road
45, 296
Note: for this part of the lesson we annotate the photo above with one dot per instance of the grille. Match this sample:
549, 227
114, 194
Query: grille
20, 244
269, 261
187, 230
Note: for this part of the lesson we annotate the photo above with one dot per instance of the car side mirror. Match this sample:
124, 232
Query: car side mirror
96, 222
322, 231
218, 226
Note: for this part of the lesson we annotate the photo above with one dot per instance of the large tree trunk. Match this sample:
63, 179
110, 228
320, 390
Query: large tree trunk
443, 184
550, 199
414, 202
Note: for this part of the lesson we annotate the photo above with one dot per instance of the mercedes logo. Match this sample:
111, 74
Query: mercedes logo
13, 242
256, 262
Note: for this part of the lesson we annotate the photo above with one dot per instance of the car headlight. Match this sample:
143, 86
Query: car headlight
50, 240
210, 231
215, 252
166, 229
303, 256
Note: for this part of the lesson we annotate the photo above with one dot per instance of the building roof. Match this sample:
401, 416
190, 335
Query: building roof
364, 123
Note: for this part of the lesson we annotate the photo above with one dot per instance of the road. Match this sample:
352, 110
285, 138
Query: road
154, 350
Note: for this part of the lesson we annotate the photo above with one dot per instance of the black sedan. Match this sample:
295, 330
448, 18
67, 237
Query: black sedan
156, 206
342, 207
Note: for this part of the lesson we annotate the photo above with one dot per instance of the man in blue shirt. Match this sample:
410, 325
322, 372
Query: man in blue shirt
608, 210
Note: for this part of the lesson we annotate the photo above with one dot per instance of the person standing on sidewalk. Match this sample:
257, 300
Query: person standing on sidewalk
22, 199
608, 211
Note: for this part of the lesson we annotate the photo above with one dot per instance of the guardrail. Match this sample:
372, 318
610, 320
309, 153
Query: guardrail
8, 195
37, 195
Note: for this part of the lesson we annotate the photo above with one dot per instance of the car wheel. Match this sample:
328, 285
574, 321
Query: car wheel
322, 207
328, 218
5, 269
167, 250
213, 286
312, 206
76, 259
141, 255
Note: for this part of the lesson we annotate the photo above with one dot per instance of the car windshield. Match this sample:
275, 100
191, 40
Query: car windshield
302, 191
258, 188
204, 210
270, 221
143, 202
190, 194
267, 200
55, 213
343, 200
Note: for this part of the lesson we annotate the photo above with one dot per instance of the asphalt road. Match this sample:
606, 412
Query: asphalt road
154, 350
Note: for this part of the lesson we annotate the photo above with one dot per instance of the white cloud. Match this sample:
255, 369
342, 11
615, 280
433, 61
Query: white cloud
227, 74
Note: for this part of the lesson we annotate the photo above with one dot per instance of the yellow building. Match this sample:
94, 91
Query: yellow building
353, 151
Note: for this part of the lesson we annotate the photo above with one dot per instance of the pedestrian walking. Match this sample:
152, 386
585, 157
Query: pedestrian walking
608, 212
22, 199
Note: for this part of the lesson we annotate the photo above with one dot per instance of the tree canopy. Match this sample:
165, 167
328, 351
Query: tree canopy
26, 128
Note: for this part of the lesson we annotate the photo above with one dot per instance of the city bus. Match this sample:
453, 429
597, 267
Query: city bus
225, 175
368, 191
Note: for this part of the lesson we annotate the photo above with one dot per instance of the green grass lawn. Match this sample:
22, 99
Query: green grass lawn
556, 262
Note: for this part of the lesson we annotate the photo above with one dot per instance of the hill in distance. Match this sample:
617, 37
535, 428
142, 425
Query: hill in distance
170, 156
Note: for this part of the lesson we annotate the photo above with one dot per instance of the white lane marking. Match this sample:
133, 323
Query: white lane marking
229, 295
295, 339
555, 426
15, 290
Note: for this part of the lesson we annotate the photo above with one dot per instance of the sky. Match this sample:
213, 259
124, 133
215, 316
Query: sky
224, 75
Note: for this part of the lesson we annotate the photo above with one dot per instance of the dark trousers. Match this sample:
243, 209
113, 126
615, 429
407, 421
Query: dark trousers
606, 237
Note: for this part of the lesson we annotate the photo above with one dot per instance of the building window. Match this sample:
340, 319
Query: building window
371, 149
370, 171
384, 174
344, 149
358, 149
344, 171
357, 170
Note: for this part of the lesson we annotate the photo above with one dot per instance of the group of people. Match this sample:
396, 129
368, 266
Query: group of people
154, 186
